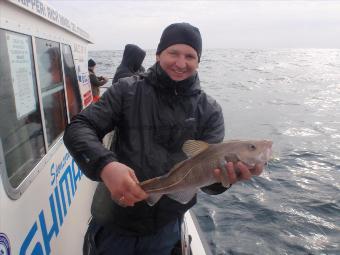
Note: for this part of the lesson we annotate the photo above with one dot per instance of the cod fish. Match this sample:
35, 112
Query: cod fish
182, 182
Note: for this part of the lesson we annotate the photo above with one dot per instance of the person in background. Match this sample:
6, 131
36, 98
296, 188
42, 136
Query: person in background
131, 64
96, 81
154, 113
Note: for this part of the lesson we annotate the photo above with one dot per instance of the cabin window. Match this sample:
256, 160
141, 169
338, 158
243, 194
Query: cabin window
52, 88
71, 82
21, 142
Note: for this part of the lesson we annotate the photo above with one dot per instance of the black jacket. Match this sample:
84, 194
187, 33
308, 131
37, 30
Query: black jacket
131, 64
153, 116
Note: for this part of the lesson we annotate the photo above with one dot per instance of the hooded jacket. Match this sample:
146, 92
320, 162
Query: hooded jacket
153, 116
131, 64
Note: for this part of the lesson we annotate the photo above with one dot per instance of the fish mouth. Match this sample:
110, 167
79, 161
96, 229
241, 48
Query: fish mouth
265, 156
269, 152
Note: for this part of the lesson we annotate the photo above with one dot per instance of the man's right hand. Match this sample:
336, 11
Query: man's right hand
122, 184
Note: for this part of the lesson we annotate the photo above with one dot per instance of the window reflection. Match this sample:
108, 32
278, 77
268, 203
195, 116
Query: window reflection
52, 88
71, 81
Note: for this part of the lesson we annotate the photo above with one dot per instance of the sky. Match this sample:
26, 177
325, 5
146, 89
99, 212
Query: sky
223, 24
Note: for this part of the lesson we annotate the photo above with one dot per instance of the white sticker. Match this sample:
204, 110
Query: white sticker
21, 72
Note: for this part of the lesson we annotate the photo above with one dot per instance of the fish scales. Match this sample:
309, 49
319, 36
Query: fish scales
185, 175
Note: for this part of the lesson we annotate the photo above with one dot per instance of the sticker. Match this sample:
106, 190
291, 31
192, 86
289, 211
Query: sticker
20, 63
5, 248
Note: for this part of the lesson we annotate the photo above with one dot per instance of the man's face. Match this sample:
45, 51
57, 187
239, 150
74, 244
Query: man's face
179, 61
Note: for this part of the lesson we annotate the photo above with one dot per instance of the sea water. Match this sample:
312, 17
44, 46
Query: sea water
289, 96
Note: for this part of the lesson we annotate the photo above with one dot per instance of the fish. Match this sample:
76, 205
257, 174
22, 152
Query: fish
184, 180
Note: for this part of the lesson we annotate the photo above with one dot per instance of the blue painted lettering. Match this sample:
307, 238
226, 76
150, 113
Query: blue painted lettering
37, 250
56, 169
47, 235
76, 176
57, 208
64, 180
57, 198
53, 173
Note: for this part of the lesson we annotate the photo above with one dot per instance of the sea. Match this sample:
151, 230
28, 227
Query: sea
289, 96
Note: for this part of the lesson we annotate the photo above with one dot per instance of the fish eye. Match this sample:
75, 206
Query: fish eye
252, 147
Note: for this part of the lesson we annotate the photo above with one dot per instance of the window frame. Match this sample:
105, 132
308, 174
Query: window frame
62, 45
64, 81
15, 193
57, 139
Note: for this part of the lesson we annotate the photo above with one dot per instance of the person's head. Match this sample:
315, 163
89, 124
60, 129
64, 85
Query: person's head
91, 64
179, 50
133, 57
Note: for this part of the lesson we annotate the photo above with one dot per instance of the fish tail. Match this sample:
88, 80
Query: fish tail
153, 199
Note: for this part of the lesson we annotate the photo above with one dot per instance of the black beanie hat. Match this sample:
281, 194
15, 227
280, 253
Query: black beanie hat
181, 33
91, 63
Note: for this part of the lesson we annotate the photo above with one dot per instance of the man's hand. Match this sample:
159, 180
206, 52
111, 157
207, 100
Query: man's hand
238, 172
122, 184
102, 80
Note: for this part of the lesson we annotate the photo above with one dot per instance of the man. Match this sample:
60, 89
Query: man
96, 81
131, 64
154, 114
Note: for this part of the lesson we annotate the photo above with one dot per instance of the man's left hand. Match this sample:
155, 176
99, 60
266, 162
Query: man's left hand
239, 172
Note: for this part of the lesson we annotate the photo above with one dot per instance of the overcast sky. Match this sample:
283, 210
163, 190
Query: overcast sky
223, 24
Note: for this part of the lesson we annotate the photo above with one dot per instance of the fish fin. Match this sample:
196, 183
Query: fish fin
193, 147
149, 184
153, 198
183, 197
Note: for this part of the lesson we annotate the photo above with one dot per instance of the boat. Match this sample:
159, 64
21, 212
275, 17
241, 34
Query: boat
44, 197
44, 82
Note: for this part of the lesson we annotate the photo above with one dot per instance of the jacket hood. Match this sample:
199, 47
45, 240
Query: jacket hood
133, 57
159, 79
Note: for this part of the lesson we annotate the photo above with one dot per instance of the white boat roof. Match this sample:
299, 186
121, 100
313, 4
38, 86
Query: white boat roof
48, 13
